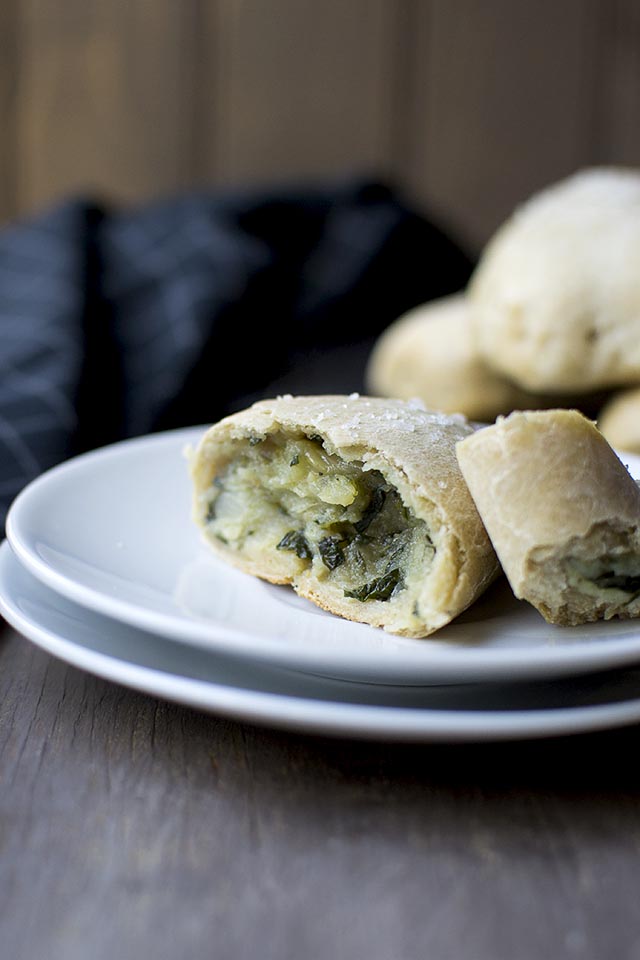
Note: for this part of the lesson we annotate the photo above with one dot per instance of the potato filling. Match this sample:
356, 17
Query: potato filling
611, 578
286, 493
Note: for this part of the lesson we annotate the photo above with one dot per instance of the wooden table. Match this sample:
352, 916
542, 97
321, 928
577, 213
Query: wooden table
133, 828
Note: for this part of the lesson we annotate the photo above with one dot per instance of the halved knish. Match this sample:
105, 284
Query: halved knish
357, 502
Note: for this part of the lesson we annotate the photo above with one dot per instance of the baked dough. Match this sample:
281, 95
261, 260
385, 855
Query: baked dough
562, 512
357, 502
556, 295
619, 420
429, 353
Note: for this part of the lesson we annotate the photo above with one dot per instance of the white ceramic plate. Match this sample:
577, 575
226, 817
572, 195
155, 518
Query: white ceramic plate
111, 531
244, 690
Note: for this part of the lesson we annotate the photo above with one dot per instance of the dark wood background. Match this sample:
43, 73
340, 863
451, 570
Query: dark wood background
469, 104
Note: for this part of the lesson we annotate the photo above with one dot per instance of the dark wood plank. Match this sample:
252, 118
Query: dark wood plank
472, 106
132, 827
502, 103
303, 88
618, 96
105, 98
9, 67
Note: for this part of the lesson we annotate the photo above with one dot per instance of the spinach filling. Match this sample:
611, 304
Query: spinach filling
372, 510
295, 540
619, 574
331, 551
380, 589
348, 523
613, 581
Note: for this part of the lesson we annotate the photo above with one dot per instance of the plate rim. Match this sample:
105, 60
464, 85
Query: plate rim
457, 663
318, 717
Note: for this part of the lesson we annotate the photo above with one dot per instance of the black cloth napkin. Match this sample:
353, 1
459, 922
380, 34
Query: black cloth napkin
115, 324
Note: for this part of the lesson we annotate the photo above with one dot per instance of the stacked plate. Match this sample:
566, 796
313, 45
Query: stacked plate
104, 569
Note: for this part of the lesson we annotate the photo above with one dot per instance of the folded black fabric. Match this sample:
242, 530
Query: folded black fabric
117, 324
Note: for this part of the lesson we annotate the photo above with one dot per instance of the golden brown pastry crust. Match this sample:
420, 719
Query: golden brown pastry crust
556, 500
415, 452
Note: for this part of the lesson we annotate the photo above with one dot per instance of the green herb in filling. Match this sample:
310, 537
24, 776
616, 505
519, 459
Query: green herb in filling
382, 588
372, 510
394, 546
610, 580
295, 460
331, 552
253, 440
211, 511
354, 558
296, 541
605, 573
